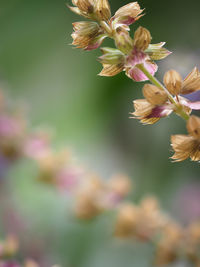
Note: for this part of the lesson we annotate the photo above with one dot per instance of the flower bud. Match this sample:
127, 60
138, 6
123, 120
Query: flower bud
173, 82
193, 126
87, 35
154, 95
123, 41
102, 10
192, 82
128, 14
84, 5
111, 56
142, 38
86, 28
157, 51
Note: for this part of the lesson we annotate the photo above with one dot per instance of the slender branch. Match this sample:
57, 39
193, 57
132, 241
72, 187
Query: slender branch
179, 109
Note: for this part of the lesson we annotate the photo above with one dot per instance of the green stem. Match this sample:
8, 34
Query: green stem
179, 109
107, 28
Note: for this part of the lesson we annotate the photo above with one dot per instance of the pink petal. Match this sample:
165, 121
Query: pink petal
151, 67
193, 105
160, 112
137, 75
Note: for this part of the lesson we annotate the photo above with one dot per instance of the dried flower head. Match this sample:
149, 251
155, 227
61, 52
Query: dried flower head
87, 35
127, 14
188, 146
153, 107
102, 10
176, 85
84, 8
135, 52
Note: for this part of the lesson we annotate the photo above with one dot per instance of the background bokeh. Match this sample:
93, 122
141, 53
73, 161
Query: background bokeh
90, 114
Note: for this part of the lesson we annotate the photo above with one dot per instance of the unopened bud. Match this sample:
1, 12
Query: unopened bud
84, 5
173, 82
123, 41
193, 126
102, 10
192, 82
87, 35
142, 38
154, 95
111, 56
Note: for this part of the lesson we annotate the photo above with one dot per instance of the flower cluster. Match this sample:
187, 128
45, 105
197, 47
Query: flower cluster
91, 195
147, 223
157, 105
136, 55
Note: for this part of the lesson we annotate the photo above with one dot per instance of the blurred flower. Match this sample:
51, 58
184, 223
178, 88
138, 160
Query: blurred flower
37, 145
169, 246
9, 246
88, 202
118, 186
12, 135
142, 222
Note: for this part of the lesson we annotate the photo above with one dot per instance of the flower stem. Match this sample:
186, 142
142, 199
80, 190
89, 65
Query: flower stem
179, 109
106, 27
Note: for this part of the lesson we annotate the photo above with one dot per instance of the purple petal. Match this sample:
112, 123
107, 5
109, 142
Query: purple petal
160, 112
193, 96
128, 21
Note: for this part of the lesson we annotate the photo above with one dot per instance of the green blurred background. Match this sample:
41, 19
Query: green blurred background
90, 115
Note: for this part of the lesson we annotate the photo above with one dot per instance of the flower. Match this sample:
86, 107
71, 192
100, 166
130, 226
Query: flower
87, 35
176, 85
134, 52
153, 107
169, 245
156, 104
187, 146
83, 8
90, 35
127, 15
